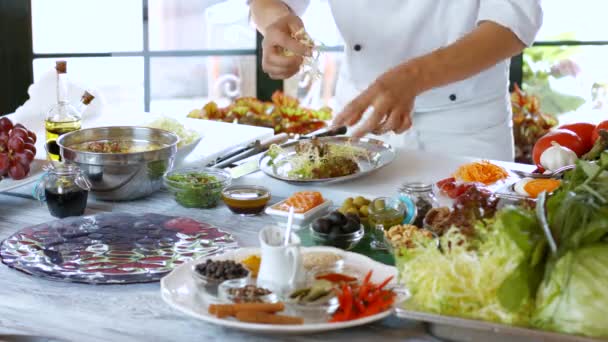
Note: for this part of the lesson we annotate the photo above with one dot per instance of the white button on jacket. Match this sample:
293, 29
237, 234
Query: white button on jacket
380, 34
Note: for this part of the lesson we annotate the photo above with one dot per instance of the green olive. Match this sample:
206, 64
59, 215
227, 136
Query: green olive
367, 201
352, 210
379, 205
364, 211
348, 202
359, 201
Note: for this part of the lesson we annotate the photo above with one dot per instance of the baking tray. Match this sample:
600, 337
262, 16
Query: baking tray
462, 329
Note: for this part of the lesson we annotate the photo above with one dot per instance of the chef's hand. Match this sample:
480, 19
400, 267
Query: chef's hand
277, 39
392, 98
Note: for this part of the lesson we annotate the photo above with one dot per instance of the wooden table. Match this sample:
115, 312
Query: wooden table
77, 312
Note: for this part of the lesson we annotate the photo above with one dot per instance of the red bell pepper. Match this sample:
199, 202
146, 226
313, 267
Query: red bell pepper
336, 277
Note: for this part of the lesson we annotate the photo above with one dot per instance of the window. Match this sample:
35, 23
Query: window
173, 55
161, 55
566, 67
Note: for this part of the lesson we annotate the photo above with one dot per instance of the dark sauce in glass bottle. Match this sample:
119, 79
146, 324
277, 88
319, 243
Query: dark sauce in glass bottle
72, 202
65, 190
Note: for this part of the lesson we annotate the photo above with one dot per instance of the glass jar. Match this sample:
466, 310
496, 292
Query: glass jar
384, 213
65, 190
418, 197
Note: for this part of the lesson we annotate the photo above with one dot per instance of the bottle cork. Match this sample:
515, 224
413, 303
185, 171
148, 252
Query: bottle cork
87, 98
61, 67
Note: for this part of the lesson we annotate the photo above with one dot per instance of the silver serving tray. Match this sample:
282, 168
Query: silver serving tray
462, 329
381, 154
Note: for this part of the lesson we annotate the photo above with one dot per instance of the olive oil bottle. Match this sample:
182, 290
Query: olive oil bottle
63, 117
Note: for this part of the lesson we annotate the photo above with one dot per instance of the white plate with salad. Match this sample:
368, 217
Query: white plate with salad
326, 160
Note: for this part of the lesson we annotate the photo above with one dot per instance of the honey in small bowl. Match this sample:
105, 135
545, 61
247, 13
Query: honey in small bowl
246, 199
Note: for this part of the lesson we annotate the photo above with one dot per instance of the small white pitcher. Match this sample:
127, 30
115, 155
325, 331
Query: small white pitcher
281, 269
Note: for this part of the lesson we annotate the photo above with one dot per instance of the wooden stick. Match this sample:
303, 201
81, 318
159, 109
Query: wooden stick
226, 310
267, 318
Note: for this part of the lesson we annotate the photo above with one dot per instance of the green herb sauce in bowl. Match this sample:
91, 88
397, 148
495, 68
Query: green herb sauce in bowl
197, 187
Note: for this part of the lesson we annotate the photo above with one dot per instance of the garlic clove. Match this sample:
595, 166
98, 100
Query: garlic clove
557, 156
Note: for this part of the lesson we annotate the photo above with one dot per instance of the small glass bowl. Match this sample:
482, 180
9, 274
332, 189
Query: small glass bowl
246, 200
211, 285
225, 296
318, 311
341, 268
343, 241
198, 195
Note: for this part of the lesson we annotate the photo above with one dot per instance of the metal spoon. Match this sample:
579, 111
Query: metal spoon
553, 174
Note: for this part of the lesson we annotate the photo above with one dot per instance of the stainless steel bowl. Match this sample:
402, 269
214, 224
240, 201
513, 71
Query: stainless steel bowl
121, 176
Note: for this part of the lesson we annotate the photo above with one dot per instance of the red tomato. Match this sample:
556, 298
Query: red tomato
584, 130
596, 131
563, 137
445, 181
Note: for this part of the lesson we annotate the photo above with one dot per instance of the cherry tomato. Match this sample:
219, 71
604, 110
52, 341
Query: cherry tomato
596, 132
445, 181
563, 137
584, 130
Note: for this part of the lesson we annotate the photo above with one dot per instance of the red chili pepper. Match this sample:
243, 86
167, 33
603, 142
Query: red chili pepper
336, 277
365, 300
360, 306
385, 282
368, 276
338, 317
348, 299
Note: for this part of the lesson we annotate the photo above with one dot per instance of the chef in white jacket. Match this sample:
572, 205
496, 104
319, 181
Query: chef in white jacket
429, 74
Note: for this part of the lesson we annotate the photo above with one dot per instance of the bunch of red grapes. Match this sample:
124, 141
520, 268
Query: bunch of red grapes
17, 149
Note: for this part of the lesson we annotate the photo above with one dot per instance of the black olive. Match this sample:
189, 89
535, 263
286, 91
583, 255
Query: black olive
336, 218
351, 226
354, 217
321, 225
335, 230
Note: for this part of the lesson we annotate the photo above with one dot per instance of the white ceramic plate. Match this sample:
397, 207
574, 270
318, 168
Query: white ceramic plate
299, 220
7, 184
179, 290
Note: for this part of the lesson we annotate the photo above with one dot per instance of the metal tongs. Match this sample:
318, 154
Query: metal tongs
258, 146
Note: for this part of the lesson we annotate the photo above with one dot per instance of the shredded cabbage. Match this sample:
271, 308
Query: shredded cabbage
466, 277
311, 64
186, 136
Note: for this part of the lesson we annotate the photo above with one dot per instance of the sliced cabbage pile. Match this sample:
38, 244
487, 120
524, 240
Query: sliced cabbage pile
507, 273
483, 278
186, 136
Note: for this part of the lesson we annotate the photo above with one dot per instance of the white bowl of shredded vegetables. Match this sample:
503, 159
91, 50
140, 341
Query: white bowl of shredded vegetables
188, 138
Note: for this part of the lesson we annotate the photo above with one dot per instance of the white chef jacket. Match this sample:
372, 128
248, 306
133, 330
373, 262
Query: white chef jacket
380, 34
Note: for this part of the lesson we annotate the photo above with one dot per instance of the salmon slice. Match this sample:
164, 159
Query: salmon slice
302, 201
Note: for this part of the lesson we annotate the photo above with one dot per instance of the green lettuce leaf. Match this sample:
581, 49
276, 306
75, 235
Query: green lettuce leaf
573, 298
